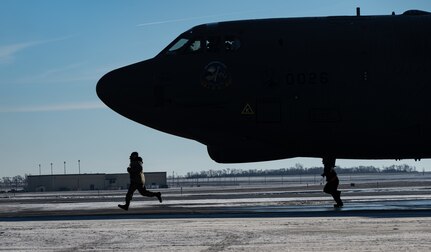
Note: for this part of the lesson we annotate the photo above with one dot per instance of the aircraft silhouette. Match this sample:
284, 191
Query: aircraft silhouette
351, 87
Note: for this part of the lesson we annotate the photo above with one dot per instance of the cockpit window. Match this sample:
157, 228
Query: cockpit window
205, 44
231, 44
212, 44
195, 46
178, 46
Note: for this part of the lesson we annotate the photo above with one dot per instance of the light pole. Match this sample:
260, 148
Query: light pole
64, 167
40, 171
79, 171
52, 179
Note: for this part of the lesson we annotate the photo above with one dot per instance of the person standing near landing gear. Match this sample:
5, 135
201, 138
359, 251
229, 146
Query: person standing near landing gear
332, 181
137, 181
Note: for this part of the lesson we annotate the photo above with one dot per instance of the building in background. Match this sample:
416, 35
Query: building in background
98, 181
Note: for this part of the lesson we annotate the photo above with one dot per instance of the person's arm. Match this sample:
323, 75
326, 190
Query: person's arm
135, 168
140, 167
326, 171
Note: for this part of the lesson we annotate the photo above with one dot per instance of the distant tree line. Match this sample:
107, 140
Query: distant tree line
9, 183
298, 169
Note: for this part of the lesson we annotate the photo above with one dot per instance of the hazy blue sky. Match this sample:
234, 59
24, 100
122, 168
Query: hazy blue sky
52, 54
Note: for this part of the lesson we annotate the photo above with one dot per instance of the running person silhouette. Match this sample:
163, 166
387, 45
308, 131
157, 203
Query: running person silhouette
331, 186
137, 181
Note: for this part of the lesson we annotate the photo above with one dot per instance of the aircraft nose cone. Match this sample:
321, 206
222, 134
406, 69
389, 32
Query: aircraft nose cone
126, 90
106, 89
116, 89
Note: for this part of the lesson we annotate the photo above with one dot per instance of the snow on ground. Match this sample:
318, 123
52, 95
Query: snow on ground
220, 234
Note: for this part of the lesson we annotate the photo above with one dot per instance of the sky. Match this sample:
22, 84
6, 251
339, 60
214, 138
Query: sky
52, 53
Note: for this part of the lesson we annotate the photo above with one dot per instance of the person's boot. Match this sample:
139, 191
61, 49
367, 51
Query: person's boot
337, 198
159, 197
124, 207
338, 205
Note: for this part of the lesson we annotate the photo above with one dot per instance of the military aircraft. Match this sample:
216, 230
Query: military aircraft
351, 87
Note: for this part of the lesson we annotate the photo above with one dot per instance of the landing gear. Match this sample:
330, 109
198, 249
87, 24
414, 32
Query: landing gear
331, 186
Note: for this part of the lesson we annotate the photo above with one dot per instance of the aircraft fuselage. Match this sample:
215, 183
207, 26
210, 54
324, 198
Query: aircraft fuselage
255, 90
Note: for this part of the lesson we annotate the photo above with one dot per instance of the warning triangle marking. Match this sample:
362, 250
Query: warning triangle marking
247, 110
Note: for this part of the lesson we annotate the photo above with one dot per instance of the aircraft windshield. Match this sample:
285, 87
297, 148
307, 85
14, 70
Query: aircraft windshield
178, 46
205, 44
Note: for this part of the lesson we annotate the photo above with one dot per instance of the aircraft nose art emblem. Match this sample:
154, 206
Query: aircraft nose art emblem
215, 76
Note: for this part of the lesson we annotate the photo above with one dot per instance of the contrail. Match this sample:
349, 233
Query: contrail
7, 52
54, 107
192, 18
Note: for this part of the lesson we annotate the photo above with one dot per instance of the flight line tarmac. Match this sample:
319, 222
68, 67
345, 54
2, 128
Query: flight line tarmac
233, 201
277, 218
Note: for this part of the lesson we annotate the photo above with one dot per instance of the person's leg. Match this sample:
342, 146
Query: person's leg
129, 197
327, 188
331, 188
144, 192
328, 164
337, 194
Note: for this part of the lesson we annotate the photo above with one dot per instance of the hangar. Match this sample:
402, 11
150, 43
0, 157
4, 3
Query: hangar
97, 181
